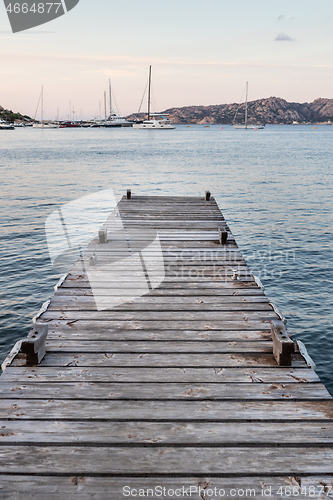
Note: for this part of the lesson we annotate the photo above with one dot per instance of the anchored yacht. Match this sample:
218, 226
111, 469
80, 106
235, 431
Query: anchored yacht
156, 121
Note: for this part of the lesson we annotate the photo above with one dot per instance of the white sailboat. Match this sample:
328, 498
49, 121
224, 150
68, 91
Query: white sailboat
156, 121
42, 124
113, 120
246, 125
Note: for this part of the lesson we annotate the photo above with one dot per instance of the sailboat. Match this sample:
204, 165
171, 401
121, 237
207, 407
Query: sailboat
156, 121
246, 125
113, 120
42, 124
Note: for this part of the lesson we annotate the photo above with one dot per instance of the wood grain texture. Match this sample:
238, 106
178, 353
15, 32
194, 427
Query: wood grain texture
182, 410
274, 375
112, 488
150, 360
188, 461
158, 433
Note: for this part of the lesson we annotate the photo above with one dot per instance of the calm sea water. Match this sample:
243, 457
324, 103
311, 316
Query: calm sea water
274, 187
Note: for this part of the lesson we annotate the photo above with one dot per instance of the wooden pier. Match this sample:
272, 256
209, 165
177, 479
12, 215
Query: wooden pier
177, 389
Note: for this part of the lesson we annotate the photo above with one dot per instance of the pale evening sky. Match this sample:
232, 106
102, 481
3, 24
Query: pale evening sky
201, 52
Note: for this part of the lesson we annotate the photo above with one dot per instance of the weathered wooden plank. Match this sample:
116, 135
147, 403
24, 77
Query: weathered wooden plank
162, 316
201, 326
127, 267
167, 391
182, 212
175, 244
225, 294
177, 234
170, 221
275, 375
198, 288
112, 488
104, 257
67, 296
80, 346
120, 278
155, 460
104, 331
159, 359
181, 433
231, 300
196, 254
182, 410
80, 303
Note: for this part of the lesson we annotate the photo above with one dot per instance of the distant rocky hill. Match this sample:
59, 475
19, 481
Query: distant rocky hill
9, 116
271, 110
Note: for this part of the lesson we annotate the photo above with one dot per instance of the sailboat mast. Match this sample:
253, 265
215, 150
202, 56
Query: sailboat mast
247, 86
105, 105
42, 108
149, 89
110, 97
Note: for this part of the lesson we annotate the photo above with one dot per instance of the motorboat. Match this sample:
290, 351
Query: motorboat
115, 120
6, 126
70, 125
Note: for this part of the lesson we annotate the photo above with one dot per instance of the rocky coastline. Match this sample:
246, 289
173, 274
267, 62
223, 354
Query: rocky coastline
272, 110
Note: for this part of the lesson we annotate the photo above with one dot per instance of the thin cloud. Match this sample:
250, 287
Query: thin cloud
111, 73
281, 17
132, 63
282, 37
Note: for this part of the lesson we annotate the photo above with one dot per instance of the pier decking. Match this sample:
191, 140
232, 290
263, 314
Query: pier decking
177, 388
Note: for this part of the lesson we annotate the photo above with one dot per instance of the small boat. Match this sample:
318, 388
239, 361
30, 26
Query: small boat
42, 123
69, 125
6, 126
246, 125
156, 121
